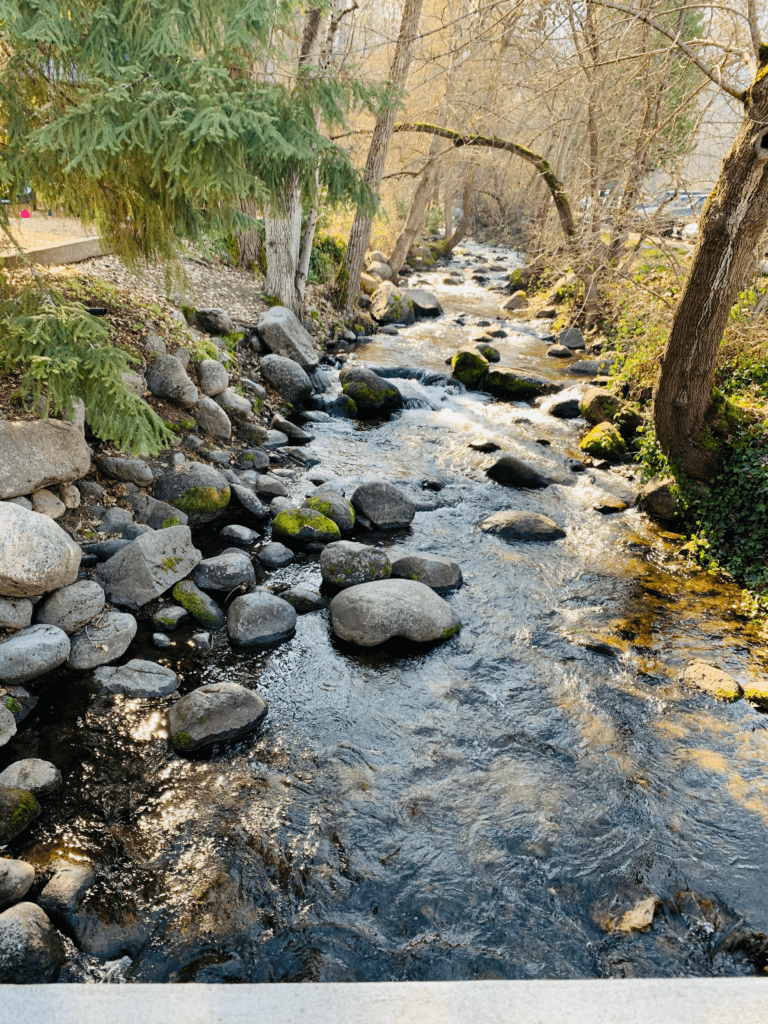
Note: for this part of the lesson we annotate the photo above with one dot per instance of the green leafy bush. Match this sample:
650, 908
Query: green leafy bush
65, 354
326, 258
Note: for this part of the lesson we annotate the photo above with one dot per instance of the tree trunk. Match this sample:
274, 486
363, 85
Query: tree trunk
447, 247
417, 210
360, 234
250, 241
448, 205
282, 230
732, 224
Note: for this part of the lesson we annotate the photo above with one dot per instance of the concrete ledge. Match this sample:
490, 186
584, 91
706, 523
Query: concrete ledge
56, 255
653, 1001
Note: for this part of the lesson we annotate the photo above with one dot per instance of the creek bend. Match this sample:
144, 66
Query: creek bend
482, 808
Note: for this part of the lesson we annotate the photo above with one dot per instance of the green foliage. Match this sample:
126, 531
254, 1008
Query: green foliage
650, 455
434, 218
65, 354
326, 258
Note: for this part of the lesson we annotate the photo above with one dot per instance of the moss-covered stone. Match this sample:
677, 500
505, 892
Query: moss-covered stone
337, 509
170, 521
604, 442
450, 631
181, 740
469, 366
199, 605
515, 385
12, 705
598, 405
304, 525
208, 501
18, 808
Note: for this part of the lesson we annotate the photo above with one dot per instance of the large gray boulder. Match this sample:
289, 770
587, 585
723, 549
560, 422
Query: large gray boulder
40, 453
132, 471
249, 501
513, 472
571, 337
370, 392
102, 641
425, 304
287, 378
215, 712
148, 566
346, 564
16, 878
515, 525
200, 491
260, 618
32, 652
212, 377
384, 505
167, 378
136, 679
31, 951
390, 305
225, 572
212, 419
156, 514
435, 571
32, 774
70, 608
36, 555
282, 333
371, 613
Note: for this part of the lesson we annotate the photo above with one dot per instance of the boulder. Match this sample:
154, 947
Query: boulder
381, 270
260, 618
47, 504
294, 434
214, 321
303, 526
598, 405
707, 678
604, 442
368, 285
33, 775
287, 378
200, 606
167, 378
469, 366
390, 306
346, 564
200, 491
214, 713
225, 572
158, 515
249, 501
148, 566
275, 555
384, 505
377, 256
425, 304
518, 385
137, 679
434, 571
370, 392
40, 453
240, 535
282, 333
237, 407
16, 878
335, 507
18, 809
102, 641
71, 607
15, 613
212, 377
513, 472
564, 406
133, 471
32, 652
591, 367
559, 352
64, 890
571, 337
31, 951
515, 525
518, 300
371, 613
36, 555
304, 601
212, 419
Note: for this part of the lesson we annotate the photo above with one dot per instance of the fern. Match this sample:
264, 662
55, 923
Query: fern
65, 354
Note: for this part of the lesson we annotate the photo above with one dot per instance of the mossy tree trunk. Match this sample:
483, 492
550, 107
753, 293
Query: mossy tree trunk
733, 222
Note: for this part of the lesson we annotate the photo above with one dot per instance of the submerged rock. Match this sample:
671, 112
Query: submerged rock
137, 679
515, 525
36, 555
513, 472
346, 564
435, 571
371, 613
711, 680
31, 951
260, 618
469, 366
384, 505
517, 385
213, 713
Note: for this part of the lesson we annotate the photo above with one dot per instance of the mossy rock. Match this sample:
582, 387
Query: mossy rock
598, 405
334, 507
515, 385
18, 808
304, 525
604, 442
469, 366
199, 605
369, 392
200, 502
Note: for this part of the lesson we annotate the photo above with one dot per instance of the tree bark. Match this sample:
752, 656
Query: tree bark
417, 210
732, 224
449, 244
360, 234
249, 242
282, 230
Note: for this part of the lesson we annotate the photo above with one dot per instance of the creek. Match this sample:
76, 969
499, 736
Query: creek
488, 807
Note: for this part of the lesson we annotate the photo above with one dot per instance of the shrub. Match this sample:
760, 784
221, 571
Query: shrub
326, 258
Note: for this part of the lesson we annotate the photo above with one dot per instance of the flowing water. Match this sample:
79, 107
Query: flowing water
488, 807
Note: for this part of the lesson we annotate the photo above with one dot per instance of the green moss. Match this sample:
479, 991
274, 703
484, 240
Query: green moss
189, 313
291, 523
367, 394
604, 441
170, 563
25, 810
350, 407
450, 631
194, 604
603, 406
249, 457
468, 366
170, 521
181, 739
13, 705
203, 500
759, 696
507, 385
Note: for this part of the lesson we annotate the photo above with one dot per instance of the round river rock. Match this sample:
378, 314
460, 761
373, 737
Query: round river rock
371, 613
260, 618
215, 712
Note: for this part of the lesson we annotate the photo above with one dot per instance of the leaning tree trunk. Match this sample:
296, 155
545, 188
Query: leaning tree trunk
360, 234
732, 224
416, 212
446, 247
